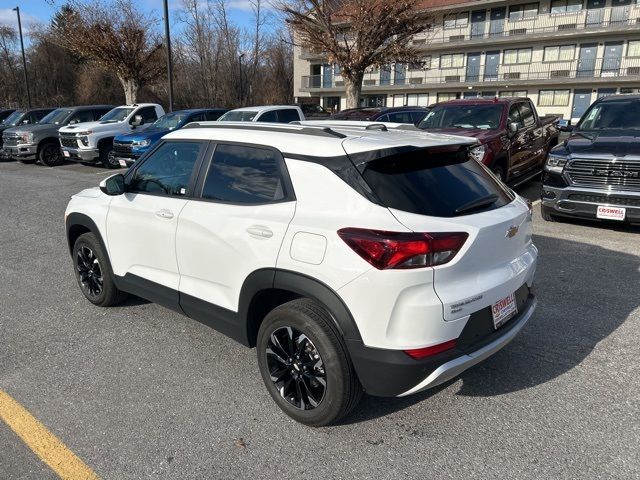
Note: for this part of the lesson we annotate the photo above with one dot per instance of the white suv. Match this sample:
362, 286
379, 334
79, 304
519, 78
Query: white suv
355, 258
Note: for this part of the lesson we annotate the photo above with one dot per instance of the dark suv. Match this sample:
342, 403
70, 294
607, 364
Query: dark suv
383, 114
595, 173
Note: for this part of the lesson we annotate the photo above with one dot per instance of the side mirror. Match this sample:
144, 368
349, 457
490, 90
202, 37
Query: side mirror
113, 185
74, 121
25, 122
137, 121
513, 128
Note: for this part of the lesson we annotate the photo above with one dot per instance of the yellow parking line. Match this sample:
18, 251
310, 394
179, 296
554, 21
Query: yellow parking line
43, 443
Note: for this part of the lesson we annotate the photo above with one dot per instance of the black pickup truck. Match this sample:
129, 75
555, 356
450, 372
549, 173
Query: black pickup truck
513, 140
595, 173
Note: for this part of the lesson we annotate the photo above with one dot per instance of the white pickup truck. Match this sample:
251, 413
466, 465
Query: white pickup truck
92, 142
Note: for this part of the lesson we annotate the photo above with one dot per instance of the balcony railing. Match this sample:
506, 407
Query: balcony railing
559, 71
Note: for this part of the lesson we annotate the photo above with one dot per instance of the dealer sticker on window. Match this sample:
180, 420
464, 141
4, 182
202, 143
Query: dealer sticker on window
503, 310
611, 213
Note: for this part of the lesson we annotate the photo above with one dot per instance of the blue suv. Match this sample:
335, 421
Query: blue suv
131, 146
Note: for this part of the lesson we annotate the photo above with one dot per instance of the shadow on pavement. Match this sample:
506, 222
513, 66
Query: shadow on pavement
585, 293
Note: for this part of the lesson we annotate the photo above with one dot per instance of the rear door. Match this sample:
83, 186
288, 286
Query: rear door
234, 226
534, 138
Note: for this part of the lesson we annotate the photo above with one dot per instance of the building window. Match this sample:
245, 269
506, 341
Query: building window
425, 64
513, 93
418, 99
553, 98
566, 6
560, 53
443, 97
398, 100
516, 55
455, 60
630, 90
520, 12
634, 49
456, 20
331, 103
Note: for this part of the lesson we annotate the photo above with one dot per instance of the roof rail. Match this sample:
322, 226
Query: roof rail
302, 130
377, 126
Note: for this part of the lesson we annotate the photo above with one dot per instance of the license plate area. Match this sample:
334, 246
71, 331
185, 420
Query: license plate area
611, 213
66, 154
504, 310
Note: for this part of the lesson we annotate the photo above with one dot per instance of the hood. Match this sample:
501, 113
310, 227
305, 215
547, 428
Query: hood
81, 127
482, 135
38, 127
93, 192
152, 134
610, 142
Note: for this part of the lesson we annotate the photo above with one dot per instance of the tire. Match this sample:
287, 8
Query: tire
546, 214
106, 158
50, 155
322, 374
93, 272
498, 171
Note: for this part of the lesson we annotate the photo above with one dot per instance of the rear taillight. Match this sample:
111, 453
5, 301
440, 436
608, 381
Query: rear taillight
385, 250
420, 353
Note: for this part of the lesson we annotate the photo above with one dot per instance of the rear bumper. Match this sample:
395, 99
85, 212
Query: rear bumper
391, 373
24, 152
79, 155
584, 202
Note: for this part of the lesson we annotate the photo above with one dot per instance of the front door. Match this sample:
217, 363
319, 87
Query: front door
612, 59
399, 73
478, 23
496, 26
620, 11
581, 101
595, 12
385, 75
141, 223
235, 226
473, 67
587, 60
491, 63
327, 76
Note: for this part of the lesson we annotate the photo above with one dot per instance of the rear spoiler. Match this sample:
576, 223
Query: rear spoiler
446, 154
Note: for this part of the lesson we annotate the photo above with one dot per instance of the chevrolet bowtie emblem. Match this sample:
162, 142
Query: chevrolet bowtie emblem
511, 232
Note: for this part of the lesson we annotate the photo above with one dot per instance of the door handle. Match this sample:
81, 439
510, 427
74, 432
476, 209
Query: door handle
164, 213
260, 231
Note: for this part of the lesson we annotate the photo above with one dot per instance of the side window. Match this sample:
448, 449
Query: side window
417, 116
82, 116
196, 117
400, 117
148, 114
288, 115
526, 112
167, 171
213, 115
514, 116
268, 117
383, 118
244, 175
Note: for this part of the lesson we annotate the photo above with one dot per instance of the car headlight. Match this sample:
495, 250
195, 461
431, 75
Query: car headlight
26, 138
477, 153
555, 163
141, 143
85, 133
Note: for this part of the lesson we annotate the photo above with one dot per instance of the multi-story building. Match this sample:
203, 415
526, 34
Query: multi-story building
562, 54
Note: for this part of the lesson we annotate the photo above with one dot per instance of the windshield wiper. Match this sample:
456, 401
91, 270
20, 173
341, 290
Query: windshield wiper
478, 203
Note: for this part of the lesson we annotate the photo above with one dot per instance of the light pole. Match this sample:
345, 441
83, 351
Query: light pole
240, 57
169, 64
24, 59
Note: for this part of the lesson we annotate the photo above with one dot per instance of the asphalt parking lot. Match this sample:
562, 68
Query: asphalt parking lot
138, 391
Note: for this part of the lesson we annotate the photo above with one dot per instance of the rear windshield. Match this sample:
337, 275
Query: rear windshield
439, 185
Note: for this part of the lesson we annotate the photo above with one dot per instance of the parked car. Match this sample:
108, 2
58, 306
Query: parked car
269, 113
514, 140
40, 141
4, 113
20, 117
352, 259
128, 147
595, 173
92, 142
383, 114
313, 111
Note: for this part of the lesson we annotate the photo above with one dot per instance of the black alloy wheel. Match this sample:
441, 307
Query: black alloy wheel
90, 272
296, 368
50, 155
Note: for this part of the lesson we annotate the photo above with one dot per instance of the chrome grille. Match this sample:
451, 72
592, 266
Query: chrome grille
10, 139
622, 175
121, 147
70, 142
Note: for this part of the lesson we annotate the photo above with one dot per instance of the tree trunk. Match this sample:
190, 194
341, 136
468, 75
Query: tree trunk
131, 88
353, 86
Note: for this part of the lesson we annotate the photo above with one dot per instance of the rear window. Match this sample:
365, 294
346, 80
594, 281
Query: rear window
438, 184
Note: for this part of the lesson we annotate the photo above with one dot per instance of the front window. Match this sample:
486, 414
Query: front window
455, 60
485, 117
621, 114
512, 93
517, 55
170, 121
566, 6
456, 20
238, 116
520, 12
13, 119
634, 49
57, 117
560, 53
118, 114
553, 98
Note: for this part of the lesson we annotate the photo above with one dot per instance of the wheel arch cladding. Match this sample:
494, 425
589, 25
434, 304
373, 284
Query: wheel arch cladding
105, 142
78, 224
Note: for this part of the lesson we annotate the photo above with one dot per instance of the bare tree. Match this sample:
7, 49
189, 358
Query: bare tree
11, 91
356, 34
115, 36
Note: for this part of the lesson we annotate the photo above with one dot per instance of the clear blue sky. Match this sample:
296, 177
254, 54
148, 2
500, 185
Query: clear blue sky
42, 10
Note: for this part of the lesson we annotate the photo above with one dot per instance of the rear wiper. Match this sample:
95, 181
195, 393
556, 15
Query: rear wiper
478, 203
